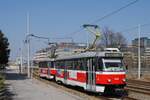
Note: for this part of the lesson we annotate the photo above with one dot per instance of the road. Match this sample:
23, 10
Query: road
21, 88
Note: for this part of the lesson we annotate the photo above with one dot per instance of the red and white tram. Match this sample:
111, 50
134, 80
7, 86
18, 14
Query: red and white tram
47, 69
94, 71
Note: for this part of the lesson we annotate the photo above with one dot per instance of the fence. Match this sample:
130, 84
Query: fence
131, 60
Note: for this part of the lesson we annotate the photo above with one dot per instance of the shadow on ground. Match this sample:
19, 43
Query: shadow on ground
15, 76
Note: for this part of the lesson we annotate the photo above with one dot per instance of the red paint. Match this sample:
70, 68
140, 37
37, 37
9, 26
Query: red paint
43, 70
115, 79
81, 77
53, 71
60, 73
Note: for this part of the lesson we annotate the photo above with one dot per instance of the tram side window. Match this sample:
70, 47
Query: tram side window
42, 64
94, 63
52, 64
69, 64
49, 64
75, 63
84, 64
79, 64
99, 66
62, 64
57, 64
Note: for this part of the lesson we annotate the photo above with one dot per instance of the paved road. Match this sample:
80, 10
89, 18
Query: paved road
22, 88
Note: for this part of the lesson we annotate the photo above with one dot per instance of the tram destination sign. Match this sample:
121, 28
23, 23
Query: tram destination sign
113, 54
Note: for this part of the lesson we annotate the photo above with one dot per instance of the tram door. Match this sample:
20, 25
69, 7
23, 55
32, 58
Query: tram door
48, 65
91, 75
65, 73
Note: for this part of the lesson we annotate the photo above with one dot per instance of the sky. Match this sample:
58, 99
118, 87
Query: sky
61, 18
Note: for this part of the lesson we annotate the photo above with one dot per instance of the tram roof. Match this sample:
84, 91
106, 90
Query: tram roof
87, 54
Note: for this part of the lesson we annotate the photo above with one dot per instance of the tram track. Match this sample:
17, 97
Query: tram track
132, 86
139, 86
75, 90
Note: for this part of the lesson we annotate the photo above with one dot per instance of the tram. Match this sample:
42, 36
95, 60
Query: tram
47, 68
93, 71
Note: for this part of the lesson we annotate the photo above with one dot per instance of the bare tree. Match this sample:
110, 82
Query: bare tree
112, 39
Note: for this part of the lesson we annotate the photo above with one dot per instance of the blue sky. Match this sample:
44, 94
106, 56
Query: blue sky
59, 18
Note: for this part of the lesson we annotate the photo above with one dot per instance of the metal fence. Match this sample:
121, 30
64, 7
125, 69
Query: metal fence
131, 60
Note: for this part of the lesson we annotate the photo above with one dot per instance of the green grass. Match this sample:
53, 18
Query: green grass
1, 82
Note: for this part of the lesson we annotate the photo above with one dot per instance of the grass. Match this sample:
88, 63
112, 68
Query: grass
1, 82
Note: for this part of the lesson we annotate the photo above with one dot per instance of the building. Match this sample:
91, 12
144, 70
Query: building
63, 48
144, 43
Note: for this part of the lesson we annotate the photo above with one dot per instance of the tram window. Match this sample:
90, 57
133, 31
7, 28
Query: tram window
83, 64
49, 64
76, 64
79, 64
52, 64
57, 64
44, 64
40, 65
62, 64
69, 64
99, 66
94, 63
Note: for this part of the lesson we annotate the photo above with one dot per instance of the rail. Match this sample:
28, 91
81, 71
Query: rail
2, 94
77, 91
139, 86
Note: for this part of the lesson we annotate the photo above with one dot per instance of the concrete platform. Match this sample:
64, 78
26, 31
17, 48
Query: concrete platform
22, 88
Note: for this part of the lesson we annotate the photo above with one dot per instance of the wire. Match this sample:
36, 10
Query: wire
107, 15
77, 31
115, 11
135, 27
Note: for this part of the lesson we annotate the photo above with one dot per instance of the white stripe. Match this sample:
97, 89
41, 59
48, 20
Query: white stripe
100, 88
111, 60
52, 68
111, 73
59, 79
43, 75
76, 83
79, 71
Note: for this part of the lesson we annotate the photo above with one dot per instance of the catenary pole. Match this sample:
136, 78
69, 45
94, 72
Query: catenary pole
21, 59
139, 52
28, 45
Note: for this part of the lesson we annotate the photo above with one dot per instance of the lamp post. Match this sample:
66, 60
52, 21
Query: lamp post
28, 45
28, 50
139, 52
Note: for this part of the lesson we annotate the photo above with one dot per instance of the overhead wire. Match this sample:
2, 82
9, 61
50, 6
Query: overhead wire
135, 27
107, 15
115, 11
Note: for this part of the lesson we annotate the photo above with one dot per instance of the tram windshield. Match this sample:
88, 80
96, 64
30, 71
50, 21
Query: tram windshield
113, 65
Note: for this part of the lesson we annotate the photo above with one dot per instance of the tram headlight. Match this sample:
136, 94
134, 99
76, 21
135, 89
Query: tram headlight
124, 80
109, 80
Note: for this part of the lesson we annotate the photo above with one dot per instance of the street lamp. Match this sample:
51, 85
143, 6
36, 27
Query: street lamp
27, 40
139, 52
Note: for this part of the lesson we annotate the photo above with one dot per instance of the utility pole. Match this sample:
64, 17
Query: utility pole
21, 59
139, 52
28, 45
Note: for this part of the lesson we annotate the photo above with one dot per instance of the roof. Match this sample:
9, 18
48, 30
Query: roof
86, 55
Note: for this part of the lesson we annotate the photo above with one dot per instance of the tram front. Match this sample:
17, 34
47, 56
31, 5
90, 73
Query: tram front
110, 72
